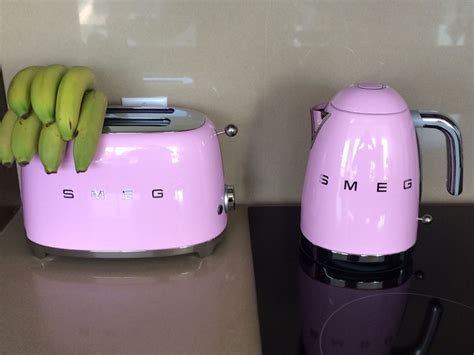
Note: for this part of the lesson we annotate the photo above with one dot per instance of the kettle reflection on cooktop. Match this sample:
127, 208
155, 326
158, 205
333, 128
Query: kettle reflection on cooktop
340, 317
306, 307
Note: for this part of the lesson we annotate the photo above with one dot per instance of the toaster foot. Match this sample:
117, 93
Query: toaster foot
206, 249
38, 251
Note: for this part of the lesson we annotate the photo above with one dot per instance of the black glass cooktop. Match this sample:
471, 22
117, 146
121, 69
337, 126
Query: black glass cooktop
425, 308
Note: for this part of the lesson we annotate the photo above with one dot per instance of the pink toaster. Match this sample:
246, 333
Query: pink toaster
155, 188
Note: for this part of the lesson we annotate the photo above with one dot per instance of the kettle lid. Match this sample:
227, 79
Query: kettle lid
370, 98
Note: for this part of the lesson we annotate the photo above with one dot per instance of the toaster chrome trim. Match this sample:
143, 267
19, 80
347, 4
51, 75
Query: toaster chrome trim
122, 119
203, 249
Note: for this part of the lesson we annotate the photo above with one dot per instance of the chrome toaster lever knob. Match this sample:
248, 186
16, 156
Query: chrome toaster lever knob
230, 130
229, 198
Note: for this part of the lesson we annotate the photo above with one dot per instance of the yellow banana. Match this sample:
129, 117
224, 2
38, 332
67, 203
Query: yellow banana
43, 91
25, 138
19, 91
51, 148
74, 84
6, 129
91, 122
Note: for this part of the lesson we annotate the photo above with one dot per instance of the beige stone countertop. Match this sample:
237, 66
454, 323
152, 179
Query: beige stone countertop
173, 305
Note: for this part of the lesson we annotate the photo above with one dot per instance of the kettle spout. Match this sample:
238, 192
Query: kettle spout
317, 116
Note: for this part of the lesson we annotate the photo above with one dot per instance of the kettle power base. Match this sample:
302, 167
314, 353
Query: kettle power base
202, 249
376, 280
356, 263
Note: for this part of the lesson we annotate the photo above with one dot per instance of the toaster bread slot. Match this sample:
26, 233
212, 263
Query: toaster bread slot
120, 119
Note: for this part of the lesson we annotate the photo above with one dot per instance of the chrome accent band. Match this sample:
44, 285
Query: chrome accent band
360, 281
326, 256
450, 130
202, 249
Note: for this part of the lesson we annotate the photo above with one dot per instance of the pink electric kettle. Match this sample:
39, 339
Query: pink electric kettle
362, 184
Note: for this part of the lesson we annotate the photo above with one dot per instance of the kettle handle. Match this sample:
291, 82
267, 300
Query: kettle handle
316, 118
450, 130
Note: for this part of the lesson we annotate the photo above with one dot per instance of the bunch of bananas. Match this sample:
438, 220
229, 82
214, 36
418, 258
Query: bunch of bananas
50, 106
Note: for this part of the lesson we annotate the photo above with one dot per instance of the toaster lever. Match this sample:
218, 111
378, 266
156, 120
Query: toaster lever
230, 130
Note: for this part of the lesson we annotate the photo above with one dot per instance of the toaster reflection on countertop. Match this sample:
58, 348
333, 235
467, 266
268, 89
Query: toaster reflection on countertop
129, 306
340, 316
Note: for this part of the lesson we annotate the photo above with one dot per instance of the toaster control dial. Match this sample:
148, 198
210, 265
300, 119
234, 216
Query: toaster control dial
229, 198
